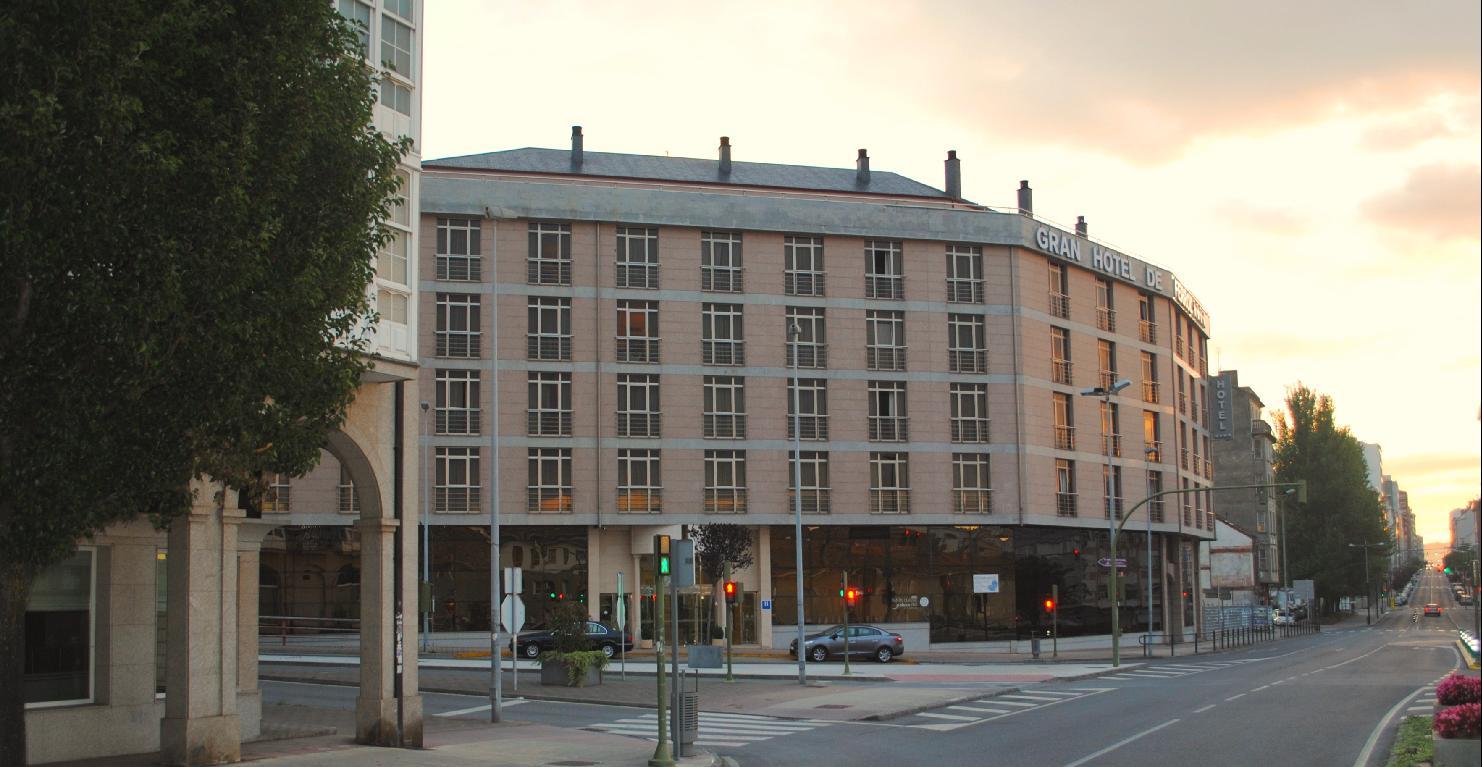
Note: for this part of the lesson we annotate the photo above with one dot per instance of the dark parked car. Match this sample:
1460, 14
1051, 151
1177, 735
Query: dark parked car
864, 642
599, 635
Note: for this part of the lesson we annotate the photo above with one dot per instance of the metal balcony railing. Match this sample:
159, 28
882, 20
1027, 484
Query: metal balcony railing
972, 501
807, 355
814, 427
887, 287
456, 421
815, 501
1147, 331
803, 283
548, 348
887, 428
1153, 451
1113, 505
455, 500
1059, 305
1150, 392
638, 424
1065, 504
638, 276
459, 268
964, 291
457, 344
1178, 345
633, 500
716, 279
885, 357
1106, 379
970, 429
725, 500
1208, 469
1064, 437
548, 500
547, 423
724, 426
1060, 371
1155, 508
543, 272
893, 501
730, 353
1114, 445
1183, 458
967, 360
638, 350
1106, 319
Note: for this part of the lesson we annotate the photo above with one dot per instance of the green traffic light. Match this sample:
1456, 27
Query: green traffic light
664, 565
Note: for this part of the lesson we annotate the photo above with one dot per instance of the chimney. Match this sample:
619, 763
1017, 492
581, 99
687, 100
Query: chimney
1026, 198
954, 175
862, 168
725, 155
1080, 225
576, 150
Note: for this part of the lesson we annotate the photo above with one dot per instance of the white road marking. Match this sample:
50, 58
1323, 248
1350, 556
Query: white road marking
954, 717
1120, 743
1202, 710
485, 707
1234, 697
979, 709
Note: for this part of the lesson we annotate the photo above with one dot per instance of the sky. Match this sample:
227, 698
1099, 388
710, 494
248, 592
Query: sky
1310, 170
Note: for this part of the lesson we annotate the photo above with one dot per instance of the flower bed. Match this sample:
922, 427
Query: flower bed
1458, 722
1457, 689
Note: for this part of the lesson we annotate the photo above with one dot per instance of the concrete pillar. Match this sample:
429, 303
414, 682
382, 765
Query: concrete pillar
201, 724
764, 585
594, 573
249, 562
387, 642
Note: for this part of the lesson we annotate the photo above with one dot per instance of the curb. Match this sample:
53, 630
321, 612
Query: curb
640, 672
929, 706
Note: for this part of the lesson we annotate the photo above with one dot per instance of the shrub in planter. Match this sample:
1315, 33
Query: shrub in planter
1462, 721
1457, 689
568, 624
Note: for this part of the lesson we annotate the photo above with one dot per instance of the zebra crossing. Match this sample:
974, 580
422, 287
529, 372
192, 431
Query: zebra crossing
997, 707
716, 729
1175, 670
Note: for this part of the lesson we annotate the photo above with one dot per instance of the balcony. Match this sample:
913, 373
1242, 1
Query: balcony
456, 421
803, 283
1183, 404
640, 500
1178, 345
639, 350
967, 360
894, 501
1064, 437
642, 425
972, 501
457, 344
724, 426
1060, 372
548, 272
1114, 445
455, 500
885, 357
1059, 305
725, 500
548, 348
806, 355
1106, 319
1153, 451
892, 288
1208, 469
1147, 331
1155, 508
884, 428
814, 427
970, 430
1183, 458
1065, 504
1106, 379
1113, 505
458, 269
638, 276
547, 423
815, 501
1150, 392
720, 280
729, 353
548, 500
964, 291
1188, 515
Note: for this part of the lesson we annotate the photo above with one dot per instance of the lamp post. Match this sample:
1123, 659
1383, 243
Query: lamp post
1148, 454
796, 332
1286, 579
1105, 393
426, 591
1368, 588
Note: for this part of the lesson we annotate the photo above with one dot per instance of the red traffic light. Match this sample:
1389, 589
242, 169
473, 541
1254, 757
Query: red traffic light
730, 591
1049, 605
851, 596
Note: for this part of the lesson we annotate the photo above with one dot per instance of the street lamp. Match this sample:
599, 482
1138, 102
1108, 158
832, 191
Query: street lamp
796, 332
1368, 597
1148, 453
1105, 393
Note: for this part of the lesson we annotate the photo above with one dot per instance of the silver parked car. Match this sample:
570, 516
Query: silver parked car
864, 642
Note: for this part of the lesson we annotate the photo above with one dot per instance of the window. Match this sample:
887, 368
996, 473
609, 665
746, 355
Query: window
59, 633
967, 345
725, 407
1147, 321
1155, 486
890, 484
549, 259
637, 257
1208, 464
885, 340
640, 490
359, 16
638, 331
456, 488
807, 347
803, 263
396, 46
459, 250
1106, 358
1186, 503
1060, 369
887, 411
349, 501
1064, 412
549, 482
720, 262
1106, 313
972, 492
637, 405
725, 481
402, 8
809, 403
1149, 377
964, 274
883, 270
1183, 396
969, 413
391, 257
548, 333
396, 97
401, 209
457, 405
277, 497
1111, 428
722, 340
1059, 292
457, 333
1065, 495
1183, 443
1152, 437
549, 411
1178, 335
392, 304
814, 471
1111, 485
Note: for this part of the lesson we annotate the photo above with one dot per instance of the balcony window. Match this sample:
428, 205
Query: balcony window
964, 274
1155, 486
808, 347
809, 403
720, 262
549, 481
277, 497
725, 407
803, 273
1060, 369
640, 489
722, 339
1064, 414
1065, 494
1147, 322
549, 259
1106, 314
459, 250
347, 499
972, 490
1111, 486
967, 345
1106, 358
457, 402
638, 405
815, 483
637, 257
969, 412
1059, 292
885, 340
638, 331
549, 411
884, 277
887, 415
725, 481
1111, 430
890, 485
1150, 378
457, 330
456, 486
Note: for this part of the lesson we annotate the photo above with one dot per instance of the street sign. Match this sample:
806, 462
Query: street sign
985, 583
766, 604
512, 613
514, 580
682, 554
1104, 562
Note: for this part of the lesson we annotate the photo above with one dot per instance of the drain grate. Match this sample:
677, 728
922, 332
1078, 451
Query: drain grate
833, 705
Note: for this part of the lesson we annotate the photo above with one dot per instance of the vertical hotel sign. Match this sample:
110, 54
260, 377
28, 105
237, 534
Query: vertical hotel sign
1224, 389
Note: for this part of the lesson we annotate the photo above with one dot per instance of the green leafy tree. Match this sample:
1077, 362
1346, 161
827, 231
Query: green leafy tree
1459, 559
188, 219
1341, 508
720, 544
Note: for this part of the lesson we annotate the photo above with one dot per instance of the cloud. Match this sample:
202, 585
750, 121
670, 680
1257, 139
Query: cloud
1431, 464
1440, 201
1271, 220
1446, 119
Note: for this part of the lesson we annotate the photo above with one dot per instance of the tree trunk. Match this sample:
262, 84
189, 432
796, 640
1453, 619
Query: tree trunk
15, 592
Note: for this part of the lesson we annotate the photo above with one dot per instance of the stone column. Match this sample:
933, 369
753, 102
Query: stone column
594, 573
249, 570
764, 585
201, 723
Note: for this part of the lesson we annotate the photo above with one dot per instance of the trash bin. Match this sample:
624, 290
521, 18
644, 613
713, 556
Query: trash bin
1034, 645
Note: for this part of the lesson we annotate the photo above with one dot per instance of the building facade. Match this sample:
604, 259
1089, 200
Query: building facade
1243, 445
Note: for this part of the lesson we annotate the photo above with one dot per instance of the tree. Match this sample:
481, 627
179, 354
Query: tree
719, 544
1341, 508
190, 211
1459, 561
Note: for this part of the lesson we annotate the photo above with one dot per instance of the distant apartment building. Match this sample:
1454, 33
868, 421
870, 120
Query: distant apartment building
1242, 444
1464, 526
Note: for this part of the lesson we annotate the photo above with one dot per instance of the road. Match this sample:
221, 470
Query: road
1327, 699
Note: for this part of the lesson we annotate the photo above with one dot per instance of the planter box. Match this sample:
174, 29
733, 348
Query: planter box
1457, 752
705, 656
553, 673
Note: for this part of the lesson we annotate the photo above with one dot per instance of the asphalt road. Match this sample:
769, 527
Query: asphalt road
1328, 699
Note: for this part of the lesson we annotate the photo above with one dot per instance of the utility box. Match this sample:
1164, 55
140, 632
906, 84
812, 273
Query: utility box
687, 720
682, 562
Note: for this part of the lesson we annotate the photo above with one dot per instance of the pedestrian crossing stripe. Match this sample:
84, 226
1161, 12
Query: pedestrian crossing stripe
716, 729
1000, 707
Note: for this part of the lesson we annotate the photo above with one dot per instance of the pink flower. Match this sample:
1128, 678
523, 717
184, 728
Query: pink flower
1463, 721
1457, 689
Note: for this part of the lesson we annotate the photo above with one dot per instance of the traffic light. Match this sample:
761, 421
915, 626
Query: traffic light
851, 596
730, 589
1076, 552
1049, 606
1447, 571
661, 554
